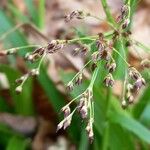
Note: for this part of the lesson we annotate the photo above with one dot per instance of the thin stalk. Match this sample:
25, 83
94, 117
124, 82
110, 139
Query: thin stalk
41, 13
80, 70
107, 12
121, 56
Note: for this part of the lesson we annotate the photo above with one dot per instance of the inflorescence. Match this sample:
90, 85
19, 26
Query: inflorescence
105, 49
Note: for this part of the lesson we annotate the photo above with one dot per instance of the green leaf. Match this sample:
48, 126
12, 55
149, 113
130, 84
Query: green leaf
23, 102
142, 103
120, 138
131, 125
18, 143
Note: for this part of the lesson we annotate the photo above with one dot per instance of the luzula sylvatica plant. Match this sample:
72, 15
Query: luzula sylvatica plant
105, 50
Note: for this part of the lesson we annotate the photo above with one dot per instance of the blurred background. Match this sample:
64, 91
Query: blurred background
29, 120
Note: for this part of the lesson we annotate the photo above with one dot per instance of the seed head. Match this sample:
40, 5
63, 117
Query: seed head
133, 73
138, 84
70, 86
78, 79
89, 129
111, 66
34, 72
20, 80
109, 81
18, 89
66, 110
29, 57
130, 99
125, 24
124, 104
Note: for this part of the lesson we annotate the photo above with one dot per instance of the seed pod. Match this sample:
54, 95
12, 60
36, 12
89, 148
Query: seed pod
94, 65
124, 10
126, 23
133, 73
78, 79
130, 99
52, 44
34, 72
84, 50
109, 81
29, 57
111, 67
89, 130
60, 126
67, 122
20, 80
100, 45
95, 56
70, 86
138, 84
18, 89
105, 55
124, 104
66, 110
84, 112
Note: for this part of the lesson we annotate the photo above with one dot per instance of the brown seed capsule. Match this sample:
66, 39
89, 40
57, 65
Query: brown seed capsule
95, 56
34, 72
138, 84
111, 66
105, 55
66, 110
94, 65
89, 130
109, 81
70, 86
124, 10
126, 23
67, 122
133, 73
78, 79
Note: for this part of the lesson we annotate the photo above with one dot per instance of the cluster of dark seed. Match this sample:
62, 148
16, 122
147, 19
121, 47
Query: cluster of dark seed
51, 47
78, 14
83, 107
133, 88
77, 81
83, 50
104, 53
123, 18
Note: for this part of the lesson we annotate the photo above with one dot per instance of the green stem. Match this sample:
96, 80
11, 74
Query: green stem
108, 13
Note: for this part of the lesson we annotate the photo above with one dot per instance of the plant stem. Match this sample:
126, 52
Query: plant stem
108, 13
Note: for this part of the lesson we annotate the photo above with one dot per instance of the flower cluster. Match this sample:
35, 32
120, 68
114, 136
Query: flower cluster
78, 14
37, 54
132, 89
124, 17
104, 52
